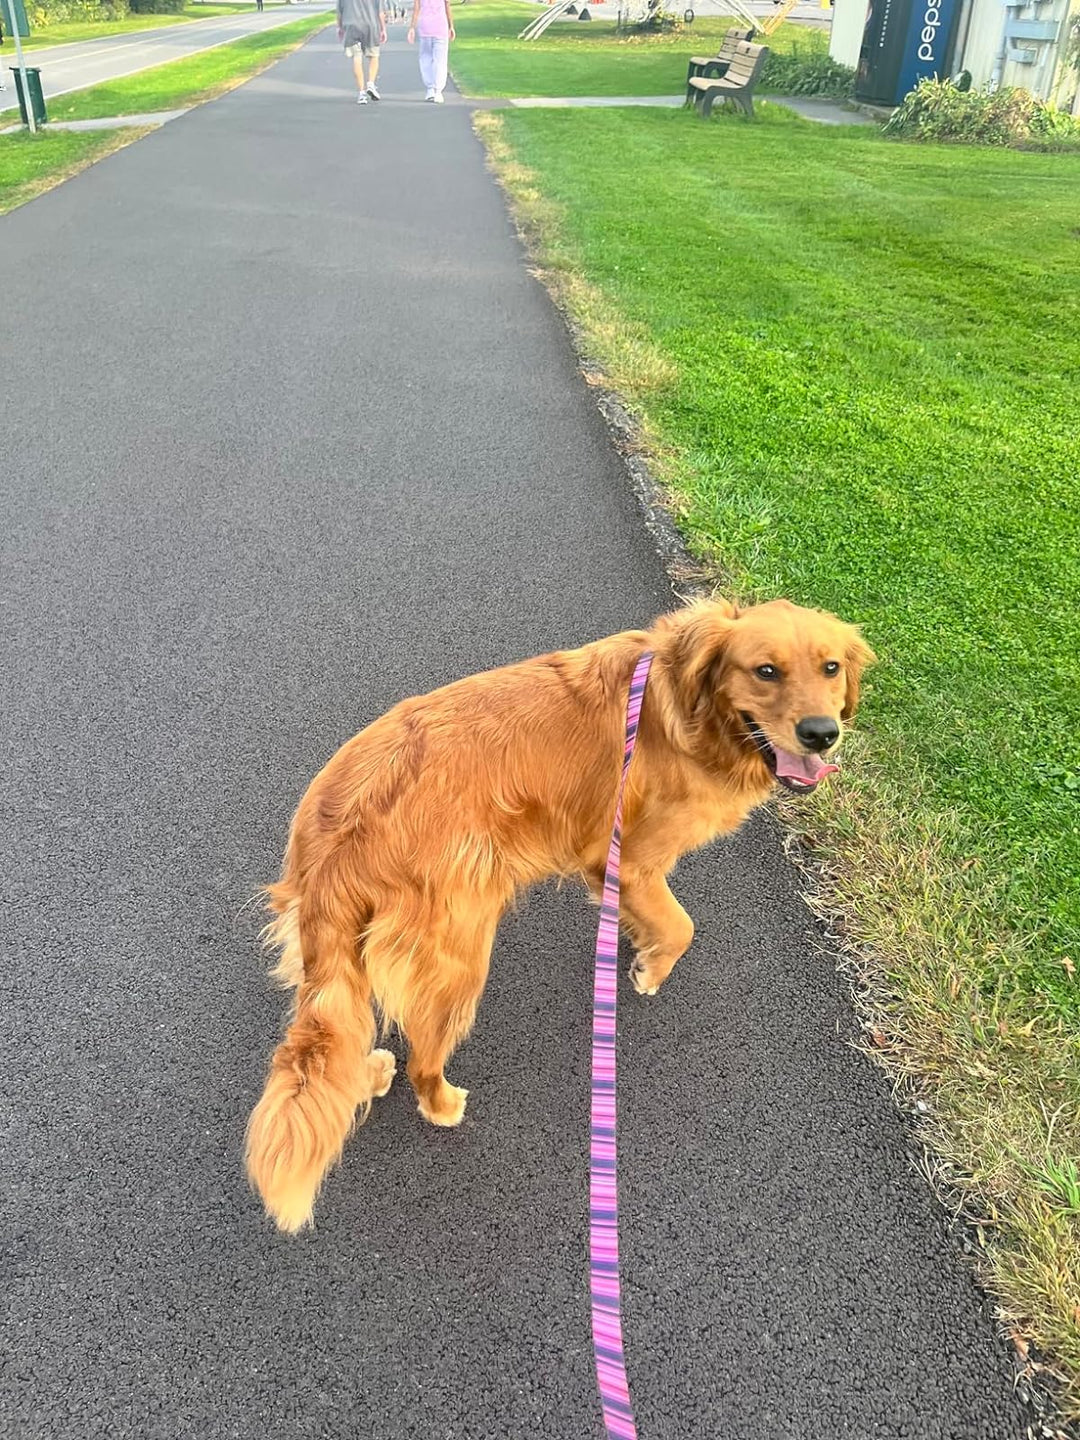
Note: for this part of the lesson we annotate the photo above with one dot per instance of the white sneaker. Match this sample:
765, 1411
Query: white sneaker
361, 99
373, 91
438, 97
429, 95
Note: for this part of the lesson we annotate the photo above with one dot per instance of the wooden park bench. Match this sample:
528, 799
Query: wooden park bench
716, 65
737, 84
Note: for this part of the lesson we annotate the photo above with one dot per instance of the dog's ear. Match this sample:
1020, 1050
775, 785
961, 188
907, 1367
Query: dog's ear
857, 656
696, 649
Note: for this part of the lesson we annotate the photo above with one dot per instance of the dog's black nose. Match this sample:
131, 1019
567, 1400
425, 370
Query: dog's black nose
818, 732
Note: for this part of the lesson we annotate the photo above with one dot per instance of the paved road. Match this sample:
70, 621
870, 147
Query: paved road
296, 434
92, 62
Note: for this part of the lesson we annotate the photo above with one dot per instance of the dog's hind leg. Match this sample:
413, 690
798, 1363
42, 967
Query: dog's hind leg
283, 934
448, 973
660, 928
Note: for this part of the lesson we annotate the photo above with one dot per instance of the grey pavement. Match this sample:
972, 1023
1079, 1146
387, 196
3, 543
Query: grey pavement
824, 112
110, 122
93, 62
292, 432
592, 102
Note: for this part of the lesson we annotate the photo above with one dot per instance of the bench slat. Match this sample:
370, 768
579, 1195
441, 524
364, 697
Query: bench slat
728, 46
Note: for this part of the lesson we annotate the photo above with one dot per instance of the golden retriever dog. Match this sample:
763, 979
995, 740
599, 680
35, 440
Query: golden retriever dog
412, 841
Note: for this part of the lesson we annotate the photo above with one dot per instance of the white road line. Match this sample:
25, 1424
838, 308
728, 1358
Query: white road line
110, 76
109, 44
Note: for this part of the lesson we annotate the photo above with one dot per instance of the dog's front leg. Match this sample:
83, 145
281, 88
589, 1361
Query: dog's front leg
660, 928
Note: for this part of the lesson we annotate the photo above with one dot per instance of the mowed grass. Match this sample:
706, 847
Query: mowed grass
583, 57
186, 82
30, 164
72, 31
857, 365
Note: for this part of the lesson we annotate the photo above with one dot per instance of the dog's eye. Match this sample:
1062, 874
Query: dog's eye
767, 672
832, 667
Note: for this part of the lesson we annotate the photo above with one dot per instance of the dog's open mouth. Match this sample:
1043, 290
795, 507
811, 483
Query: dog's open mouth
800, 773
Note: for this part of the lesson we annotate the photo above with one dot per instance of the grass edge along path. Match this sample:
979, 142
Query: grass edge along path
190, 81
32, 164
993, 1084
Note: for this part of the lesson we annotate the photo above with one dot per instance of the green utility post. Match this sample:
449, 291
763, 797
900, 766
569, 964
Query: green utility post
27, 82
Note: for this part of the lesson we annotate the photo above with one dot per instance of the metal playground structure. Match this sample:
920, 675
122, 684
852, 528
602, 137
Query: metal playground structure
653, 11
536, 27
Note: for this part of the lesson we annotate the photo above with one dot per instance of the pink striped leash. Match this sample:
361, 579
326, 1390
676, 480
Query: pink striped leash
603, 1186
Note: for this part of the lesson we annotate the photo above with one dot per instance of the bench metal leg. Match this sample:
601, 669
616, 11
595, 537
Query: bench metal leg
740, 99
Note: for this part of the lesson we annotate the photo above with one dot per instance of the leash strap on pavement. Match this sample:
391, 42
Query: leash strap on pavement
603, 1184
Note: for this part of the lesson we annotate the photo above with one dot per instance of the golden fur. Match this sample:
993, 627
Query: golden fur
412, 841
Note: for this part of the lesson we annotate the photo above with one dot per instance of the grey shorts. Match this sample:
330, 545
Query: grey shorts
362, 40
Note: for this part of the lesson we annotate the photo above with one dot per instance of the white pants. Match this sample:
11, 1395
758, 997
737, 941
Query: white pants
433, 52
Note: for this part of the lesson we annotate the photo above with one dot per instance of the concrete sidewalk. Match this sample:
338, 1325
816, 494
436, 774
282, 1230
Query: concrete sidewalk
109, 122
824, 112
301, 435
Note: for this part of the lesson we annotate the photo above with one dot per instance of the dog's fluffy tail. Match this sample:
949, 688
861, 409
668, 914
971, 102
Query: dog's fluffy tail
323, 1069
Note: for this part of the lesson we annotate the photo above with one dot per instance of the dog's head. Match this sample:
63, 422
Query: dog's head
777, 678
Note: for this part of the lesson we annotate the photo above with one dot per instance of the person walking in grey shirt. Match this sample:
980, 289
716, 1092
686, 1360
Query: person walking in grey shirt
362, 26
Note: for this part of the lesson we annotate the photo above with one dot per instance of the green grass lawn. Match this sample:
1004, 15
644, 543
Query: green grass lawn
583, 58
858, 365
75, 30
30, 164
186, 82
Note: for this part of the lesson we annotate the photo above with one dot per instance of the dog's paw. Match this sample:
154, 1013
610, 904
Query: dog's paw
383, 1070
643, 979
448, 1109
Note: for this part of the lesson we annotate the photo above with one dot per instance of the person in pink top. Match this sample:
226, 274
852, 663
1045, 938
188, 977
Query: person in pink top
432, 24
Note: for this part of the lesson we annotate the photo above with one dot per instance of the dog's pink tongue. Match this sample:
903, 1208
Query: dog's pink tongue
807, 768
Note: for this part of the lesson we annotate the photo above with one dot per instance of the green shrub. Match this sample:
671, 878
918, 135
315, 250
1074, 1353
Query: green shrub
43, 13
803, 71
156, 7
938, 110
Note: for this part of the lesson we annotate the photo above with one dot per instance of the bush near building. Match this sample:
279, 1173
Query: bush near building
806, 68
937, 110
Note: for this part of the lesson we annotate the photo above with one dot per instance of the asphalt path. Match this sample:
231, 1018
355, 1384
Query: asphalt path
93, 62
291, 432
